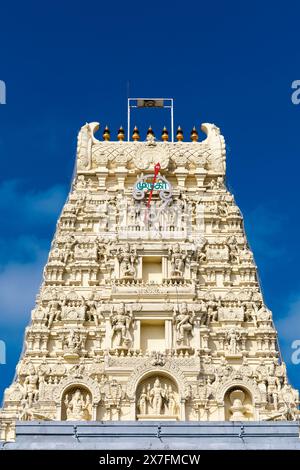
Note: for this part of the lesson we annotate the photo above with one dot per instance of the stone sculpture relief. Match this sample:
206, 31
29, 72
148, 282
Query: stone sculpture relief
121, 319
78, 406
183, 319
157, 398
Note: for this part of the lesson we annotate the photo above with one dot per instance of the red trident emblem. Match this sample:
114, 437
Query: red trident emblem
156, 171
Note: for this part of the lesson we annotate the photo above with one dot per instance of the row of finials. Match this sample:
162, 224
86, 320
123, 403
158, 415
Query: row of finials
164, 135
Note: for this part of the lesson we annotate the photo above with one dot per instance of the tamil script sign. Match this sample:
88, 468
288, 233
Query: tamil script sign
162, 185
148, 186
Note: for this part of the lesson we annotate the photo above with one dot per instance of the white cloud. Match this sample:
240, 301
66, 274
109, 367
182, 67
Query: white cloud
19, 284
25, 238
31, 208
289, 325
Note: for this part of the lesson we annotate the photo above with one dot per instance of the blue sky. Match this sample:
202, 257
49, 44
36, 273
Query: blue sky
231, 63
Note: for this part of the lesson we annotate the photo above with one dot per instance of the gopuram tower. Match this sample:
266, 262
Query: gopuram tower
150, 306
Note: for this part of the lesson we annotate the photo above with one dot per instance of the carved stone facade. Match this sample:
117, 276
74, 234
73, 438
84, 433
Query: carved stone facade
150, 310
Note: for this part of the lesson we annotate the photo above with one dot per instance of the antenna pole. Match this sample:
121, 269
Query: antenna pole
172, 119
128, 119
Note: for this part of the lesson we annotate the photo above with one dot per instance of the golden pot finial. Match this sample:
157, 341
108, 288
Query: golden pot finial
165, 134
121, 134
179, 135
194, 134
135, 134
106, 133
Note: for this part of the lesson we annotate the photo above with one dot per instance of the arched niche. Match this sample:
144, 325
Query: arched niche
157, 397
76, 404
238, 404
85, 383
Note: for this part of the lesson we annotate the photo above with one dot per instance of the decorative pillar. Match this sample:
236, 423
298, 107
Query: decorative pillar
108, 333
168, 334
121, 173
196, 338
182, 409
164, 267
137, 335
94, 411
139, 268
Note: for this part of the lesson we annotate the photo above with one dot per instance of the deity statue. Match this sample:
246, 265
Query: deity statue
157, 399
204, 317
121, 321
290, 398
104, 250
273, 386
127, 257
232, 341
184, 322
142, 404
69, 249
280, 370
31, 389
209, 388
92, 311
53, 310
212, 309
80, 182
217, 183
78, 408
246, 255
171, 401
233, 249
158, 358
157, 394
73, 342
250, 309
178, 259
238, 409
88, 408
222, 207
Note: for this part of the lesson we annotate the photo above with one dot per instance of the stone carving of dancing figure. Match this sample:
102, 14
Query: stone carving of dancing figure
127, 257
184, 322
77, 407
121, 321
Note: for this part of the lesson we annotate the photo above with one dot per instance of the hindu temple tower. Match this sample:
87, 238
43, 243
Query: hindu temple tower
150, 306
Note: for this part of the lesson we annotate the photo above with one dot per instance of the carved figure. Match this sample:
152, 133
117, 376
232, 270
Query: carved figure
78, 408
127, 257
184, 322
121, 321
